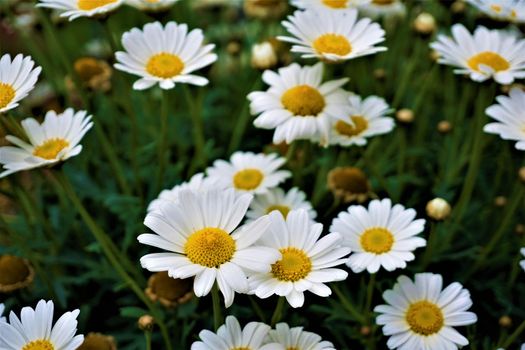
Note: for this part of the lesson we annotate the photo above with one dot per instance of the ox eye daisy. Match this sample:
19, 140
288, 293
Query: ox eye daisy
335, 5
53, 141
298, 339
17, 79
74, 9
164, 55
502, 10
487, 54
298, 105
307, 261
420, 314
332, 36
382, 236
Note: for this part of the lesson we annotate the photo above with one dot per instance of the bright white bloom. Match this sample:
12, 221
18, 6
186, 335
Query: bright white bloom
307, 261
151, 5
297, 339
334, 5
382, 236
17, 78
522, 262
421, 315
81, 8
277, 199
164, 55
510, 116
487, 54
249, 172
2, 308
53, 141
297, 104
34, 330
383, 8
367, 118
503, 10
200, 233
333, 36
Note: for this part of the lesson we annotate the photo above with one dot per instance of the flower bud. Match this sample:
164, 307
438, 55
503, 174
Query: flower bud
438, 209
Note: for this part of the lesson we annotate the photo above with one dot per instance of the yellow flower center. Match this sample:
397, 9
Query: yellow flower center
424, 318
344, 128
50, 148
293, 266
12, 270
88, 67
496, 8
98, 341
242, 348
303, 100
164, 65
88, 5
377, 240
39, 345
169, 288
247, 179
7, 94
332, 43
336, 4
210, 247
490, 59
283, 209
382, 2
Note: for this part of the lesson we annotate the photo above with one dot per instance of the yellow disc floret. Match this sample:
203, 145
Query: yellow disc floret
336, 4
283, 209
164, 65
293, 266
7, 94
490, 59
377, 240
332, 43
50, 148
247, 179
41, 344
303, 100
424, 318
344, 128
210, 247
88, 5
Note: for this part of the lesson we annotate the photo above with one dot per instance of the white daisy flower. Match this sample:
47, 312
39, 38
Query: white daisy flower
307, 261
332, 36
151, 5
510, 116
2, 308
383, 8
503, 10
17, 78
297, 339
382, 236
420, 315
277, 199
487, 54
249, 172
522, 262
367, 118
34, 330
297, 104
199, 232
164, 55
81, 8
53, 141
328, 4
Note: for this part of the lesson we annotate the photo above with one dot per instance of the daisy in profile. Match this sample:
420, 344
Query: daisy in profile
488, 54
53, 141
421, 314
201, 236
367, 118
297, 339
522, 262
335, 5
164, 55
151, 5
307, 261
17, 78
249, 172
332, 36
502, 10
34, 330
297, 104
74, 9
382, 236
509, 114
276, 199
383, 8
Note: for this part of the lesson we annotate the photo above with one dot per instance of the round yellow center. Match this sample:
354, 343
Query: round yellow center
39, 345
303, 100
241, 348
283, 209
210, 247
490, 59
382, 2
344, 128
87, 68
336, 4
50, 148
12, 270
332, 43
293, 266
170, 288
247, 179
88, 5
97, 341
7, 94
377, 240
349, 179
496, 8
424, 318
164, 65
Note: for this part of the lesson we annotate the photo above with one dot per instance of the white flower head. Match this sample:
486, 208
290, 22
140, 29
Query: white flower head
81, 8
53, 141
509, 114
383, 8
522, 262
298, 105
164, 55
382, 236
151, 5
297, 339
421, 315
334, 5
503, 10
487, 54
17, 78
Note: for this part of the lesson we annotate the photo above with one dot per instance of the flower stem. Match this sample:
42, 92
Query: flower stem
147, 336
217, 312
278, 312
514, 335
348, 305
198, 129
163, 142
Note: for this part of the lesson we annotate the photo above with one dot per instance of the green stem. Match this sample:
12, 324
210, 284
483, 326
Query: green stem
369, 295
163, 142
348, 305
278, 312
217, 312
257, 309
514, 335
147, 336
198, 129
430, 246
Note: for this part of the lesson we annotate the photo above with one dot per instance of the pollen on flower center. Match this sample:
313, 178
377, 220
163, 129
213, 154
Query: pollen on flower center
303, 100
164, 65
50, 148
377, 240
382, 2
247, 179
490, 59
41, 344
88, 5
344, 128
7, 94
496, 8
283, 209
293, 266
336, 4
210, 247
332, 43
424, 318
